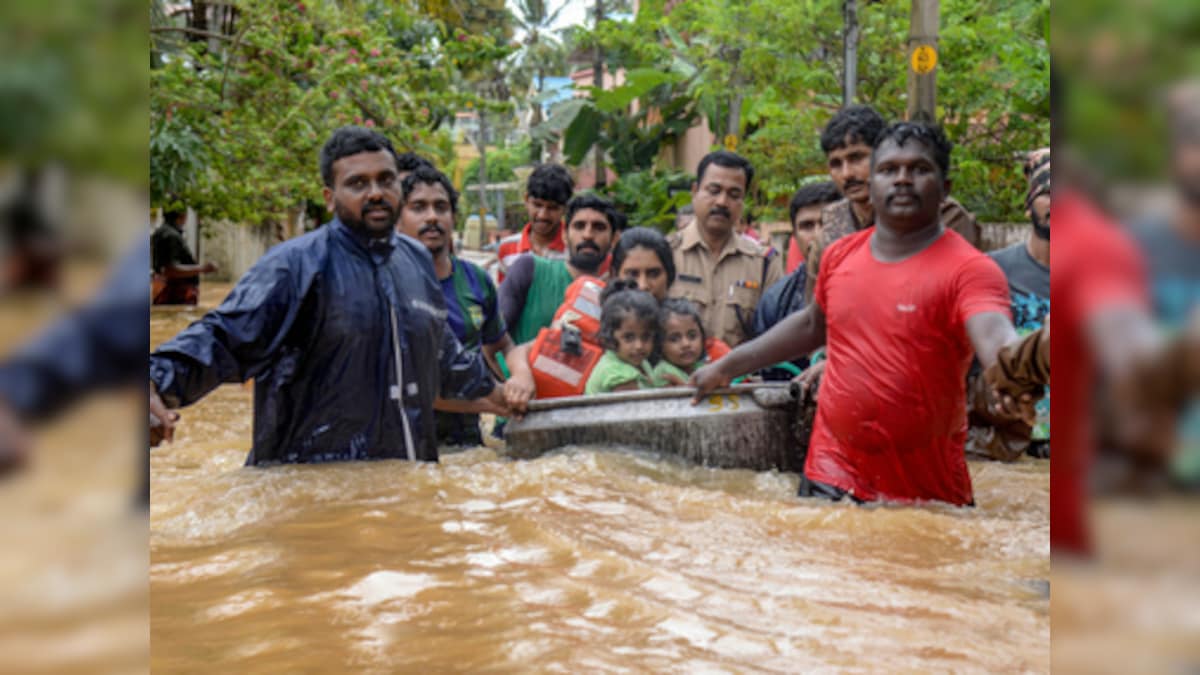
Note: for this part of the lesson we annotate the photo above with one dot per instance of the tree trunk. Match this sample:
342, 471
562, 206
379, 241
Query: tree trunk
598, 82
850, 52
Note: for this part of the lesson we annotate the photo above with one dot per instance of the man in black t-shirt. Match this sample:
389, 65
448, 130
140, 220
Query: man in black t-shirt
176, 274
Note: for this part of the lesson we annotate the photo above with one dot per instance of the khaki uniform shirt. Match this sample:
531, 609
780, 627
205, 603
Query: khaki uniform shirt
725, 291
838, 220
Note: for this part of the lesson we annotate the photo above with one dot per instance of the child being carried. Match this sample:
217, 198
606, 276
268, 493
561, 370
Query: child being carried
629, 332
682, 342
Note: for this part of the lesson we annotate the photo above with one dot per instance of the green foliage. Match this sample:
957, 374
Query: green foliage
68, 93
254, 108
649, 198
771, 73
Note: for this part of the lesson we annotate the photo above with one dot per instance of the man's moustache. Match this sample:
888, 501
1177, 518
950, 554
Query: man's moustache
432, 228
718, 211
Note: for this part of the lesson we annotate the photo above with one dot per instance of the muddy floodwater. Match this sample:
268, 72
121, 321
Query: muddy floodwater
584, 560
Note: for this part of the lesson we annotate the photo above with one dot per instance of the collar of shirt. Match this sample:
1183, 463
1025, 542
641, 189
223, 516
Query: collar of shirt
377, 247
559, 243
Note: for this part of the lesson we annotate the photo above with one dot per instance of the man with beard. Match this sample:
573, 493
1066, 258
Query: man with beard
1026, 265
536, 286
902, 306
343, 330
427, 213
547, 192
722, 273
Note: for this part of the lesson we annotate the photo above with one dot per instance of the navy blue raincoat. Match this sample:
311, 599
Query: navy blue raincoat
319, 322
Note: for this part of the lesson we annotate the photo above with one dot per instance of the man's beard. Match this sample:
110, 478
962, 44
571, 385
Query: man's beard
587, 259
358, 221
1189, 189
1040, 228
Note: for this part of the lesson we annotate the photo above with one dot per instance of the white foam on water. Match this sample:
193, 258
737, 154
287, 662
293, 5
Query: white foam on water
386, 585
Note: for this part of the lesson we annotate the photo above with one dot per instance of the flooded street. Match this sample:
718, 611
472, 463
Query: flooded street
582, 560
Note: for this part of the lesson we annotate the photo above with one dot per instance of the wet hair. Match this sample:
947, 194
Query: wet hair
681, 307
427, 175
591, 201
813, 193
411, 161
729, 160
644, 237
350, 140
172, 215
929, 135
550, 182
852, 124
619, 301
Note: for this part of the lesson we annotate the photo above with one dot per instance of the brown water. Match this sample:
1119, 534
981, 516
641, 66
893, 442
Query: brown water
584, 560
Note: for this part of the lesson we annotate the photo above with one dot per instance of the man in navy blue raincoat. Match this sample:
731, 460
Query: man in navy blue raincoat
343, 330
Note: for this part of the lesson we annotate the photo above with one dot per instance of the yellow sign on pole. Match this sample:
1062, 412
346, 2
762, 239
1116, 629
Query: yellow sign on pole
924, 59
730, 142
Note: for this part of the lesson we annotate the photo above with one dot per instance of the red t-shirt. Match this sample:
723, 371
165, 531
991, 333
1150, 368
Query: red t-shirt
892, 420
513, 246
1103, 269
794, 256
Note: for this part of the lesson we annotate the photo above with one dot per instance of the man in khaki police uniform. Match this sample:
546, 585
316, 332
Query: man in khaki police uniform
722, 273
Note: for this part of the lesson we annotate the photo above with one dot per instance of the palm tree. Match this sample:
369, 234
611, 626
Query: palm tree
541, 52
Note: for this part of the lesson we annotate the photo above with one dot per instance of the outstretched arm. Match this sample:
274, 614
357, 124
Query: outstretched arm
795, 336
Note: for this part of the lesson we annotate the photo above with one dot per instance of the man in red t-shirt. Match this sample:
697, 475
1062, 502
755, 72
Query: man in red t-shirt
546, 195
901, 307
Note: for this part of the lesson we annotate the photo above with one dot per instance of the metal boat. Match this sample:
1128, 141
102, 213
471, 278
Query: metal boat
748, 426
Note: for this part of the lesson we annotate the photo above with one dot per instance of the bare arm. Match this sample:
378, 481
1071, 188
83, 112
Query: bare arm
795, 336
988, 332
182, 271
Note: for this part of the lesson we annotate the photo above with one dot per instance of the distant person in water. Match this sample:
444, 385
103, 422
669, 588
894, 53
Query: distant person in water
176, 272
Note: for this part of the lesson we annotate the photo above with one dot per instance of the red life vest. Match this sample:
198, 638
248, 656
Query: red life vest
716, 348
582, 300
560, 368
562, 364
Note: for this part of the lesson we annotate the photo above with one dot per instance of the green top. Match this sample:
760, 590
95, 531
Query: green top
546, 293
665, 367
611, 372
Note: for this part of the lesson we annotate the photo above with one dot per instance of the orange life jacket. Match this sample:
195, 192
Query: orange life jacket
716, 348
562, 367
561, 362
582, 300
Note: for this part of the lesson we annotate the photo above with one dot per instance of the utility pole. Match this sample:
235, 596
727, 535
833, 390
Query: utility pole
598, 82
849, 52
922, 61
482, 143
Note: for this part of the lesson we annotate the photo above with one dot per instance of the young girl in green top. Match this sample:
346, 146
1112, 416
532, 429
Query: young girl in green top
682, 342
629, 333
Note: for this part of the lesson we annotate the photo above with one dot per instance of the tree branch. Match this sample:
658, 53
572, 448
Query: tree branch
190, 31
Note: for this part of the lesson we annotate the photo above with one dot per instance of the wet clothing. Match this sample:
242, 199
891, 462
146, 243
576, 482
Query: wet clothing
611, 372
838, 220
1105, 271
167, 248
473, 314
514, 246
1173, 263
1029, 289
892, 416
100, 345
784, 298
346, 339
531, 295
726, 292
665, 367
